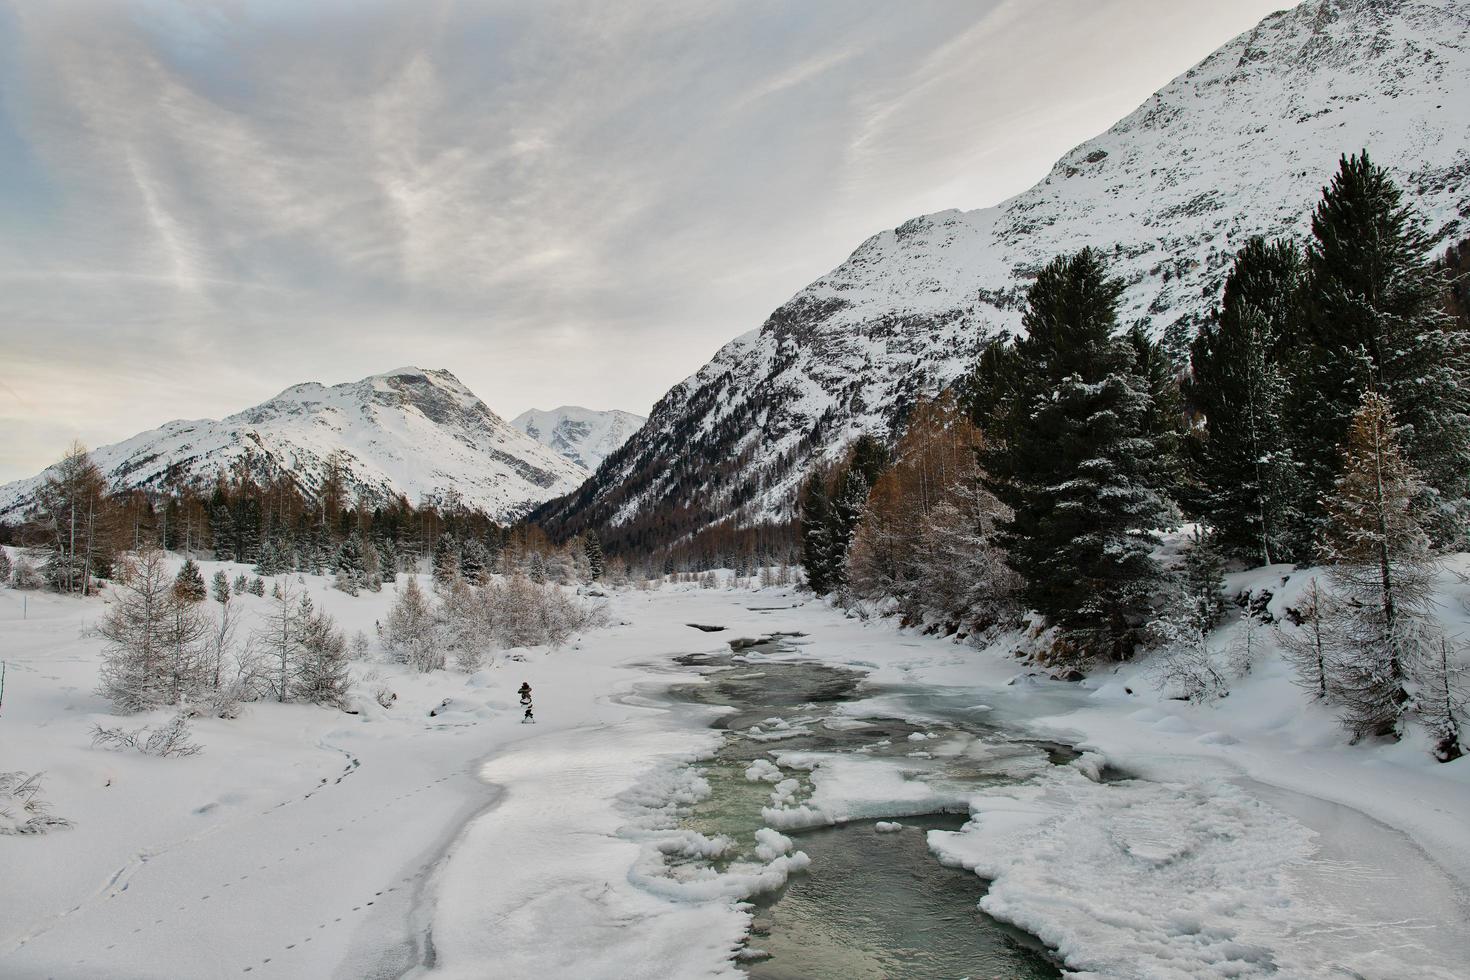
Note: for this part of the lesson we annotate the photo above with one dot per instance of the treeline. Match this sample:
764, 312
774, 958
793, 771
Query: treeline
76, 528
1322, 418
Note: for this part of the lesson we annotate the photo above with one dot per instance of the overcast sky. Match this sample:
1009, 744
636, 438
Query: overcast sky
203, 203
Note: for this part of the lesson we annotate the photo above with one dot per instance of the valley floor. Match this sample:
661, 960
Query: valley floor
304, 842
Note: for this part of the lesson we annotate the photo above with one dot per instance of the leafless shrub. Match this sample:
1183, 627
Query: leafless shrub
22, 811
173, 740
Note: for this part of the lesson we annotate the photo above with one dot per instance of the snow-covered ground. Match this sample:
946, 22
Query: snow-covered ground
305, 842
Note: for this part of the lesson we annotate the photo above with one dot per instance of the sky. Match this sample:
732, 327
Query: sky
562, 202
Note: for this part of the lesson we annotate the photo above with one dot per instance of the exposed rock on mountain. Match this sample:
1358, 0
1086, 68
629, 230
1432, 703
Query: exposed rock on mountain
1239, 145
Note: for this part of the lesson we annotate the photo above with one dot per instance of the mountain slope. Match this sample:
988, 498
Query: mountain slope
410, 432
584, 436
1239, 145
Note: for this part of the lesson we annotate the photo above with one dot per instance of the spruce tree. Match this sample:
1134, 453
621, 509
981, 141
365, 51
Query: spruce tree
1371, 319
1163, 417
1203, 582
189, 584
1244, 480
474, 560
847, 509
222, 527
446, 558
219, 589
816, 534
988, 392
592, 547
1077, 465
4, 567
351, 571
387, 559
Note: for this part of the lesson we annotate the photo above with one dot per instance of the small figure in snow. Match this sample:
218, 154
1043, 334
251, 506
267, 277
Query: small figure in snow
529, 718
525, 693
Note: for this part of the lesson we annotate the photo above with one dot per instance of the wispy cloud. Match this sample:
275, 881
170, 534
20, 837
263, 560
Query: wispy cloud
569, 201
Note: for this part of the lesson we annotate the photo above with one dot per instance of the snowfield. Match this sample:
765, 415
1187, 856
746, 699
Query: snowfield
1238, 839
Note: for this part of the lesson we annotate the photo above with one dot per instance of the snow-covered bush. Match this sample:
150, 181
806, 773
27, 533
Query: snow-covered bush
1186, 667
25, 574
528, 613
468, 620
22, 810
173, 740
4, 567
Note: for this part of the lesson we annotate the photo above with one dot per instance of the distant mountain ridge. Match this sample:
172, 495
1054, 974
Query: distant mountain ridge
1239, 145
582, 435
409, 432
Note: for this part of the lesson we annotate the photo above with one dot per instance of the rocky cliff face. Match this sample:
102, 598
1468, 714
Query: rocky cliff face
409, 432
1240, 145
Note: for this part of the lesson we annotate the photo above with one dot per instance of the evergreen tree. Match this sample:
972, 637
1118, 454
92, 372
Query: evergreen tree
222, 527
241, 584
1077, 465
387, 559
1163, 415
1378, 555
816, 534
446, 558
351, 573
592, 547
847, 510
1203, 583
1245, 484
270, 561
4, 567
474, 560
189, 584
868, 458
1372, 319
219, 587
988, 393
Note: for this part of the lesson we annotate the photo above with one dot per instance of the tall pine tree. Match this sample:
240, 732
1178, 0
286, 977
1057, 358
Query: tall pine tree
816, 534
1244, 482
1372, 319
1077, 465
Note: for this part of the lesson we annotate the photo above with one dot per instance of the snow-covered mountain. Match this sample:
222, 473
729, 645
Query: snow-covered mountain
1239, 145
584, 436
410, 432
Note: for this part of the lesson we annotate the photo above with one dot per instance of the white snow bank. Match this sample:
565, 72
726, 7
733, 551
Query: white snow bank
887, 827
1173, 881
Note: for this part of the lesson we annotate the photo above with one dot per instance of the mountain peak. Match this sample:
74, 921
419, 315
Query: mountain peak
408, 432
1239, 145
583, 435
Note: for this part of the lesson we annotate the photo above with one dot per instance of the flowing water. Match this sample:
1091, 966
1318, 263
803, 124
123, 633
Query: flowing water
872, 904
